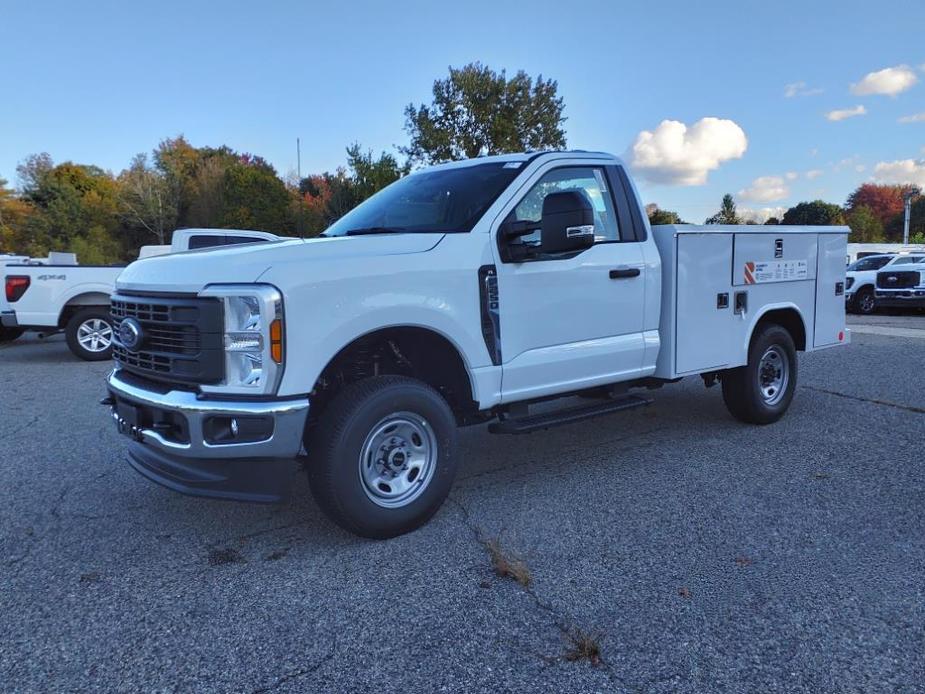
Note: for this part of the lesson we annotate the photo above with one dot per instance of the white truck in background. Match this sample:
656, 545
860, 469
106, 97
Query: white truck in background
48, 295
461, 294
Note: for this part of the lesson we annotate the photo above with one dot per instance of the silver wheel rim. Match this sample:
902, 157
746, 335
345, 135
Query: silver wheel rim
94, 335
867, 302
398, 459
773, 375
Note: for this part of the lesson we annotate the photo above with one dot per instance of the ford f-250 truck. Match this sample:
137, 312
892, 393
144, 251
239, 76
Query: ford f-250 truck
463, 293
55, 294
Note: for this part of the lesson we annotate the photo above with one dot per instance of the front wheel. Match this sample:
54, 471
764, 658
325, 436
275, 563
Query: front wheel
760, 392
89, 334
864, 302
383, 456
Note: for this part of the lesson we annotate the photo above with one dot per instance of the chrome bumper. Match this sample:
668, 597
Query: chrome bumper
285, 440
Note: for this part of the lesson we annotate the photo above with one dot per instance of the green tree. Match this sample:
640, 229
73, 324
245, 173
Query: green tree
772, 221
865, 225
476, 111
727, 213
659, 216
149, 199
372, 175
815, 213
254, 197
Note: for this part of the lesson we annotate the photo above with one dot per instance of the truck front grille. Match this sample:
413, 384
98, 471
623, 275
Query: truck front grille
180, 338
902, 279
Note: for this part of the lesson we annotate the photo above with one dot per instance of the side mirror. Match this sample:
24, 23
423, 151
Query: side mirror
568, 222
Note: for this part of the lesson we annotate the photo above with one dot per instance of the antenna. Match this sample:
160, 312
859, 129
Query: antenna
298, 157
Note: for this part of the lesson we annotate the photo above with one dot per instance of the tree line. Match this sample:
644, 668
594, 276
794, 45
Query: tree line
106, 217
873, 212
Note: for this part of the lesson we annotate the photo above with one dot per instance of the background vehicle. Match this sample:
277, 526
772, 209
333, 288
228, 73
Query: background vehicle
856, 251
58, 294
901, 286
464, 293
861, 278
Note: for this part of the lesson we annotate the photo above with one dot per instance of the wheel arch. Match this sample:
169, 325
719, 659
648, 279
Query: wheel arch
411, 350
788, 316
79, 301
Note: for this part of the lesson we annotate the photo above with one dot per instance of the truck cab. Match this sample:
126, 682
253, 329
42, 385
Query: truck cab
465, 293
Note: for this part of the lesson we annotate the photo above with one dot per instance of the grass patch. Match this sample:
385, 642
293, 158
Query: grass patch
583, 646
507, 564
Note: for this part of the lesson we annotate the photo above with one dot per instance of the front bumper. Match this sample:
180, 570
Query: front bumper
8, 319
171, 431
901, 298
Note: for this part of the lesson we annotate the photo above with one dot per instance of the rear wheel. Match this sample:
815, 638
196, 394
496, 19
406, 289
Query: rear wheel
10, 334
89, 334
383, 456
761, 391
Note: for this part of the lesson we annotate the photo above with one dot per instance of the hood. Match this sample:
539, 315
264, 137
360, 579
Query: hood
192, 270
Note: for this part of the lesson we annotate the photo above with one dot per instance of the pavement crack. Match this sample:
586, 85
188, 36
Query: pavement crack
562, 621
10, 434
300, 672
873, 401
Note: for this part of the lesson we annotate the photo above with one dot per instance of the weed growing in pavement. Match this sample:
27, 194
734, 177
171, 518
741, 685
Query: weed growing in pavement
506, 564
583, 646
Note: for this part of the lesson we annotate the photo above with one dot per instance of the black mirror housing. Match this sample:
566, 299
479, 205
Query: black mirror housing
568, 222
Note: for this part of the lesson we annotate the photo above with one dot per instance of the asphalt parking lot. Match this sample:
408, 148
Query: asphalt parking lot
698, 553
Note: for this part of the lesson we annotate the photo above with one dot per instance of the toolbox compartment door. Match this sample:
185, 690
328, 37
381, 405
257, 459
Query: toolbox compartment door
705, 330
830, 290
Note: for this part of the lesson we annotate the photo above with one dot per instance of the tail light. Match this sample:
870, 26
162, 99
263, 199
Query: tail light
16, 286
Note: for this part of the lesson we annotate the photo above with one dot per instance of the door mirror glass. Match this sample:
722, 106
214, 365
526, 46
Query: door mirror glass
567, 222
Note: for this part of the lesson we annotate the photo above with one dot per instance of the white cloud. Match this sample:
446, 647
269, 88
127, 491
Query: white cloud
791, 175
761, 214
890, 81
859, 168
842, 113
680, 155
814, 173
914, 118
765, 189
901, 171
800, 89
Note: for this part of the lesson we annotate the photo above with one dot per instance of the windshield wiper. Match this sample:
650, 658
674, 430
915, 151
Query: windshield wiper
374, 230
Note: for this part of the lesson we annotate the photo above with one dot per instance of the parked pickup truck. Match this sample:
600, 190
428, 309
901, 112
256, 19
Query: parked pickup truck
902, 286
861, 278
461, 294
57, 294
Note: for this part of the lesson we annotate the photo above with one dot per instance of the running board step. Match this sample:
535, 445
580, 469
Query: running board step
528, 423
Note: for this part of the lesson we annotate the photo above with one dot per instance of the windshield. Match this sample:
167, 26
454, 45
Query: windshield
872, 263
447, 200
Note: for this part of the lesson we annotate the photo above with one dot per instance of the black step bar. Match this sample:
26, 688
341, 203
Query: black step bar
545, 420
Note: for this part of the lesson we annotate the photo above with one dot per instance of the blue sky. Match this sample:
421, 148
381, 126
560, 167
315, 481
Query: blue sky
99, 82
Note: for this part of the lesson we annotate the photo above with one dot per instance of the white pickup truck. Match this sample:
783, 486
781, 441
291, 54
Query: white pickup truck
53, 294
461, 294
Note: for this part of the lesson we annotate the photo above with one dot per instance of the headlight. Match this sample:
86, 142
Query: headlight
253, 338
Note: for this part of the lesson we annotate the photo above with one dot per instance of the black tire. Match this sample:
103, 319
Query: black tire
10, 334
73, 327
350, 420
864, 302
742, 387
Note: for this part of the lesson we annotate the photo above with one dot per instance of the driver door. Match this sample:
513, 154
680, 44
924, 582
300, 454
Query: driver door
572, 322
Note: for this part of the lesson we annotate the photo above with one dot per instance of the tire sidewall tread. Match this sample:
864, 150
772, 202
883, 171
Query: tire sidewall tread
334, 449
740, 386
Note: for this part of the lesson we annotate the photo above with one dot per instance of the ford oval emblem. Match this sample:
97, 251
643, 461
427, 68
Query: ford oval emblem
130, 333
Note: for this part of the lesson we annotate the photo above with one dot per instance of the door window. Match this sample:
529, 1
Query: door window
590, 180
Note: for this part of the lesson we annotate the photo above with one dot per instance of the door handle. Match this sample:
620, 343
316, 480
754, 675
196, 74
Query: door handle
624, 272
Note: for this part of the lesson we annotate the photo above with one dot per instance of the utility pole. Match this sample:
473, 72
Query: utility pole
907, 208
298, 156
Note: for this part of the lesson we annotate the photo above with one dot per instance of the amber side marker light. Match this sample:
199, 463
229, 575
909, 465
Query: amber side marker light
276, 341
